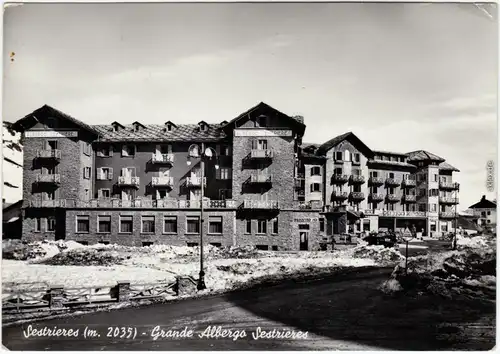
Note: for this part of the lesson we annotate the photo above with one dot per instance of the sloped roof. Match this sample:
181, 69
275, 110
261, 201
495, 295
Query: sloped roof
156, 132
323, 148
484, 204
422, 155
445, 166
382, 152
392, 163
30, 120
467, 224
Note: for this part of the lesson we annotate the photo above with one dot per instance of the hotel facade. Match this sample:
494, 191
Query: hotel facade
136, 185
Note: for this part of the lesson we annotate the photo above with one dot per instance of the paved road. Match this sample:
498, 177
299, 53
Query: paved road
345, 311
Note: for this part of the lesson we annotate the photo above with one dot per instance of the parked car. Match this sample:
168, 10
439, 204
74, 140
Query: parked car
382, 238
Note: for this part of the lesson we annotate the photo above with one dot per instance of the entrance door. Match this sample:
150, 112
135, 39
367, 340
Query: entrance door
304, 240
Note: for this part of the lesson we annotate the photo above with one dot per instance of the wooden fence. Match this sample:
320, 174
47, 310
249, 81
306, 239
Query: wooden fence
24, 297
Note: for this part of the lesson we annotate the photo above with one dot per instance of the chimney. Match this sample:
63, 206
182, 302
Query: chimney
483, 198
299, 119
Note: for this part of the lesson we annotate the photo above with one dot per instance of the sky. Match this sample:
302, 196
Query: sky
402, 77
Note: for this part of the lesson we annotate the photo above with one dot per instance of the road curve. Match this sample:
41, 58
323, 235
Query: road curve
341, 312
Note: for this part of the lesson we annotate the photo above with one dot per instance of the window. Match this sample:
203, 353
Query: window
170, 224
248, 227
223, 173
128, 150
104, 193
261, 144
126, 224
50, 195
262, 247
262, 121
274, 226
192, 244
274, 248
444, 227
321, 225
51, 122
82, 223
489, 213
435, 177
86, 172
105, 173
51, 145
422, 207
105, 151
51, 224
224, 150
433, 226
315, 171
147, 244
104, 223
390, 190
38, 224
356, 157
315, 187
193, 225
432, 207
87, 148
303, 226
433, 192
203, 127
338, 171
391, 175
148, 224
261, 226
215, 224
356, 172
338, 155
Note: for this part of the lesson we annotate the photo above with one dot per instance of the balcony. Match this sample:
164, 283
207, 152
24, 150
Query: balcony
261, 154
394, 213
53, 178
163, 181
57, 203
376, 197
260, 204
393, 198
357, 179
162, 159
148, 203
128, 181
409, 183
410, 198
376, 181
195, 182
357, 195
447, 214
339, 179
449, 185
260, 178
392, 182
48, 154
339, 195
448, 200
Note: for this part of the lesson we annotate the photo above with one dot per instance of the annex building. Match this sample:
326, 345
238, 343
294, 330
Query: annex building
136, 185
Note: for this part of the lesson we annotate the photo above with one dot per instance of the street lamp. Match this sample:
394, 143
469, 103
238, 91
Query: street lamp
206, 155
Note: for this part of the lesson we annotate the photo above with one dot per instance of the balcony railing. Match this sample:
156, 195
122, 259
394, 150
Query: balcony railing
261, 178
376, 197
48, 154
340, 179
449, 185
195, 181
356, 179
376, 181
394, 213
129, 181
261, 154
53, 178
148, 203
448, 200
166, 181
357, 195
409, 183
393, 198
260, 204
410, 198
162, 158
392, 182
339, 195
447, 214
57, 203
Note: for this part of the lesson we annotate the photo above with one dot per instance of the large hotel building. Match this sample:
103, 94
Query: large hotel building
136, 185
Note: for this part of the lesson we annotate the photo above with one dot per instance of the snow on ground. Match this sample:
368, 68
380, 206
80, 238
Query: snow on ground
224, 268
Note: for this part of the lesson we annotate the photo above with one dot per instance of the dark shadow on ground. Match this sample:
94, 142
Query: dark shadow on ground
355, 310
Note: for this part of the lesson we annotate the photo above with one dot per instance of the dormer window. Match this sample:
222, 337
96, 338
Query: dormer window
224, 122
169, 126
51, 122
203, 126
262, 121
137, 126
117, 126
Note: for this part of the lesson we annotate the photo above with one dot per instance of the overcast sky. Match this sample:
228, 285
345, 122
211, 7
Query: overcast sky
402, 77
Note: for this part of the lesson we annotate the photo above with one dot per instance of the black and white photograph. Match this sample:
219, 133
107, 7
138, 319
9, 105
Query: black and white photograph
249, 176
